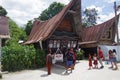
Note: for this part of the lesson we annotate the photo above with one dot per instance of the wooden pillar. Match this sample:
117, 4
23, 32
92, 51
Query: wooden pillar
115, 8
40, 42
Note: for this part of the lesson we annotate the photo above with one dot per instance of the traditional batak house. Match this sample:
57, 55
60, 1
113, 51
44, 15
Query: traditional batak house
60, 32
101, 34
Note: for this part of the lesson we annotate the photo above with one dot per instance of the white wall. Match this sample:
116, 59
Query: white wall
107, 48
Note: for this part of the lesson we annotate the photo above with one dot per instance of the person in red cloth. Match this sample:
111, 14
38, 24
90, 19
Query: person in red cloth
74, 57
95, 61
100, 56
90, 61
49, 62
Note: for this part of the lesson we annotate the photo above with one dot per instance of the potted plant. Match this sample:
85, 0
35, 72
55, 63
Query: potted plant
79, 54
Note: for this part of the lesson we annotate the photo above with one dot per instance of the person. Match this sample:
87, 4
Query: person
74, 57
101, 57
49, 62
115, 59
90, 61
110, 58
69, 61
95, 62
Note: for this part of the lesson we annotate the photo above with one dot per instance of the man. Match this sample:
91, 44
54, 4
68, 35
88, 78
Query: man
100, 56
69, 61
49, 62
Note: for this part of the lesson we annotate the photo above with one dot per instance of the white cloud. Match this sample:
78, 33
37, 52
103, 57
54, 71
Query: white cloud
99, 9
63, 1
105, 17
110, 1
22, 11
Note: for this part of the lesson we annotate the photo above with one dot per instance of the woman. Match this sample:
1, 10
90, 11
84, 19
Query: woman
49, 62
115, 59
111, 58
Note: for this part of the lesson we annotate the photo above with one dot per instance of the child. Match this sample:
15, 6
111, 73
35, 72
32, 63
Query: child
90, 61
95, 61
111, 58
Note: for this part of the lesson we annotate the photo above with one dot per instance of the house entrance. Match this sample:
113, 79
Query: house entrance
59, 48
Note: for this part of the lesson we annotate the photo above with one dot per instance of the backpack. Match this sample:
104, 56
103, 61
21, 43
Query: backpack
69, 56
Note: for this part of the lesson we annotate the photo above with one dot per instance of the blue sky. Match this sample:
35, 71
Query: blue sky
22, 11
105, 8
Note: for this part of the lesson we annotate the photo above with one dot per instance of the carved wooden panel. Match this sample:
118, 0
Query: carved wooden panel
107, 35
65, 25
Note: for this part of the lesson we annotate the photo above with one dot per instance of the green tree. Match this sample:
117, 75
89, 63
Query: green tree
52, 10
3, 12
48, 13
16, 33
17, 56
90, 17
28, 27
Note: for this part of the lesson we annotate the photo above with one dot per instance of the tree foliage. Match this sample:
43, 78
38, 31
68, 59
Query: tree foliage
90, 17
16, 56
48, 13
16, 33
3, 12
52, 10
28, 27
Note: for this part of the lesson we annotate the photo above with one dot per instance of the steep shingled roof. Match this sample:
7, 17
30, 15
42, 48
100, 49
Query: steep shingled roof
42, 30
4, 27
94, 33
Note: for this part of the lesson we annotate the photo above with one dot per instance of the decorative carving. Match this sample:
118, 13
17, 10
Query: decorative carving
107, 35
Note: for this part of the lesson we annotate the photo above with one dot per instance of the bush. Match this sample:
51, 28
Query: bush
40, 58
18, 57
80, 55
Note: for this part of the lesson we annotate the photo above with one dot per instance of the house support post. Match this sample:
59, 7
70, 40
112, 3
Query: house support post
0, 57
40, 42
115, 8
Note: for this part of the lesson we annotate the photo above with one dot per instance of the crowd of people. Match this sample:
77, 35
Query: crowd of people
93, 60
70, 60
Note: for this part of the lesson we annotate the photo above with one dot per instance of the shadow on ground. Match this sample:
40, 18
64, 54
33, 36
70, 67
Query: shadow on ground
58, 68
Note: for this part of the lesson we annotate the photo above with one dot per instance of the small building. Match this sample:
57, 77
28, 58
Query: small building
4, 29
4, 34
